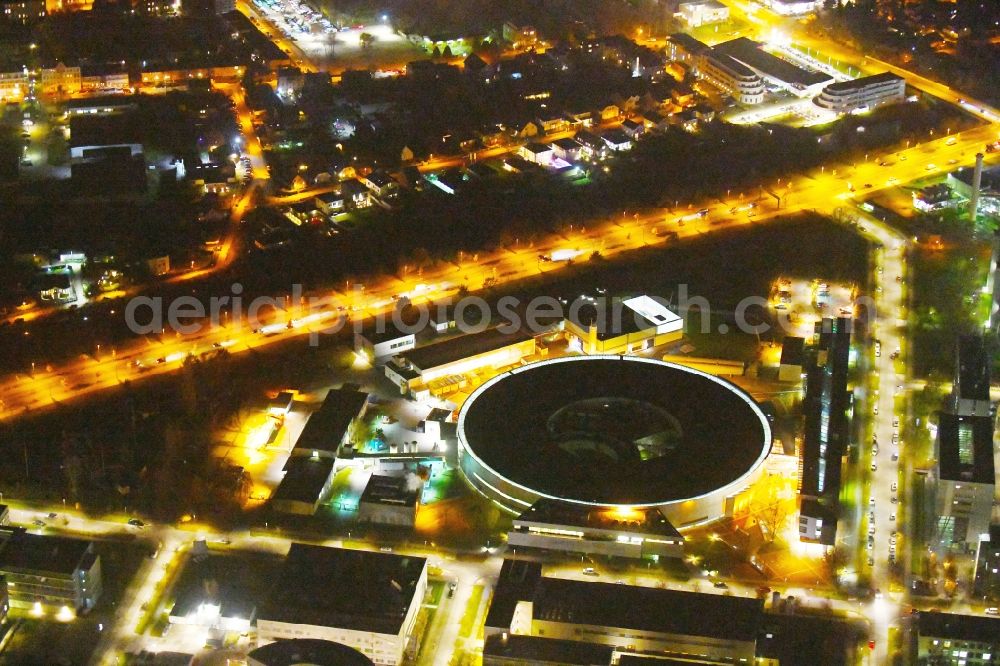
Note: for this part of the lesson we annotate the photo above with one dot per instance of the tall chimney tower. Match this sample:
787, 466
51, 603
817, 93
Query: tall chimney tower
977, 179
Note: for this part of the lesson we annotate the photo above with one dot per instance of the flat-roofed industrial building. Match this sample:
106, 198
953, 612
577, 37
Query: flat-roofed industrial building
366, 600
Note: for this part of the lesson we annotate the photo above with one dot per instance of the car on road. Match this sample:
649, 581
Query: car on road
895, 421
451, 590
720, 585
993, 610
895, 455
892, 517
590, 571
38, 523
874, 467
52, 514
871, 501
135, 522
893, 486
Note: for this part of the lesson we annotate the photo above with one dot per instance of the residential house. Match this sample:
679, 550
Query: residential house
330, 203
633, 129
579, 119
617, 140
529, 130
519, 36
592, 146
552, 124
566, 149
355, 194
654, 121
383, 186
609, 113
539, 153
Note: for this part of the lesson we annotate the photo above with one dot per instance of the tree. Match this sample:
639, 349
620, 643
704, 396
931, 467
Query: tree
774, 506
366, 39
447, 52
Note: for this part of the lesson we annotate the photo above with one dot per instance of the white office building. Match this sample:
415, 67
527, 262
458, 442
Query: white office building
792, 7
732, 76
862, 94
702, 12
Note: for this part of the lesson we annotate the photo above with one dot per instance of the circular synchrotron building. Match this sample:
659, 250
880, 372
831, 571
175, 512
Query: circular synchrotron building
613, 432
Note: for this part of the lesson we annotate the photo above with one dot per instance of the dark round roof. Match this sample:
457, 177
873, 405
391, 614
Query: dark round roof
308, 652
615, 430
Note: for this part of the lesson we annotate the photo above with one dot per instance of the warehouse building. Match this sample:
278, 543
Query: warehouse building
366, 600
309, 469
390, 500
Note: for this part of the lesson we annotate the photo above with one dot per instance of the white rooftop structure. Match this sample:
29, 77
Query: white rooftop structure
666, 320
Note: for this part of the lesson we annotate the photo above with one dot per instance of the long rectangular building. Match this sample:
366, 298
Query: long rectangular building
635, 533
329, 426
950, 638
827, 430
965, 480
669, 623
440, 367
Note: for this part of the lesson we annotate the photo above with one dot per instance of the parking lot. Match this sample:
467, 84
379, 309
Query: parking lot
798, 303
316, 38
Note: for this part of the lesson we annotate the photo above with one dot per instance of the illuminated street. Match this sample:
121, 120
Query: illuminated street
821, 489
